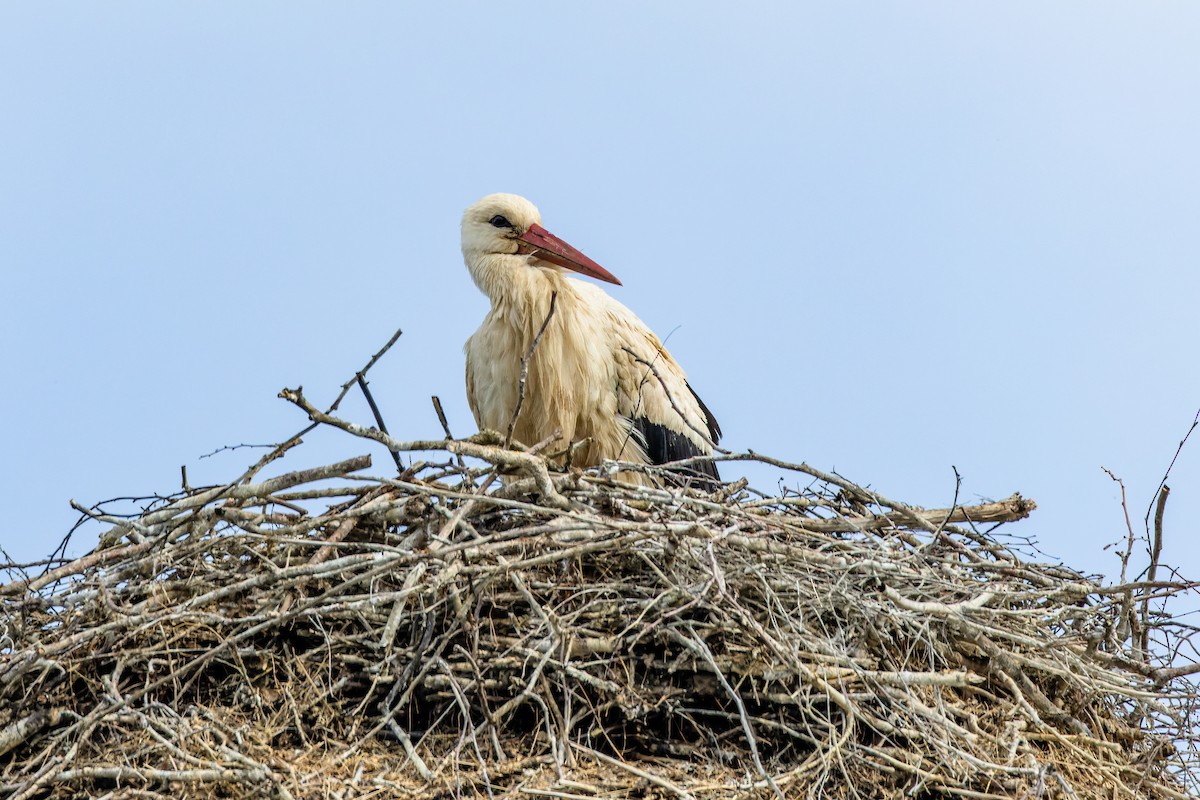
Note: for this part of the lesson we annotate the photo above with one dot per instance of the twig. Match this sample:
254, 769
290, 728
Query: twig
1171, 466
663, 628
649, 777
698, 644
525, 359
362, 372
297, 438
953, 504
535, 466
1127, 553
704, 436
441, 415
1152, 571
232, 447
18, 732
362, 384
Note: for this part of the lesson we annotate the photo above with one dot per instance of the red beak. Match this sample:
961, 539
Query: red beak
543, 244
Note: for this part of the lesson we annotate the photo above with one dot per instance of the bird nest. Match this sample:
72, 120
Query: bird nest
483, 624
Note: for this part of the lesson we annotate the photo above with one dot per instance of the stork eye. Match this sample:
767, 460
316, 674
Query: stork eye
500, 221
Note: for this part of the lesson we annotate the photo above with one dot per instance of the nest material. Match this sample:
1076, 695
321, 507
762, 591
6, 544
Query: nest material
322, 634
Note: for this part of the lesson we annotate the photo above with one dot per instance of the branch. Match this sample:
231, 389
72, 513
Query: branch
1171, 466
532, 465
362, 384
512, 423
702, 434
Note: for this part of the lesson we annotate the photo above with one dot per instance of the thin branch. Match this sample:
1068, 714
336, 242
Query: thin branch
1127, 553
362, 384
698, 645
441, 415
232, 447
1152, 571
1171, 466
362, 372
654, 370
525, 359
489, 634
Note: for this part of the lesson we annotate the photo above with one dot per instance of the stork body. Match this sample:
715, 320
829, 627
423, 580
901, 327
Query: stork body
598, 375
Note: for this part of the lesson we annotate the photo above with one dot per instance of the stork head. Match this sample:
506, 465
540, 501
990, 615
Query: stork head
507, 228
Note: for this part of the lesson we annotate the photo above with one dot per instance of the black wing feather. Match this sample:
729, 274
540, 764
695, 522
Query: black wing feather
664, 445
714, 430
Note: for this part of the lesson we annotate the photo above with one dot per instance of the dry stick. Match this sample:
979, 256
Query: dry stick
1155, 542
323, 554
362, 384
1167, 474
467, 730
154, 518
703, 436
18, 732
362, 372
699, 646
1152, 571
1125, 615
231, 447
1164, 676
1156, 550
296, 439
657, 780
953, 504
263, 489
1010, 509
79, 565
534, 465
45, 774
278, 452
470, 505
283, 447
912, 579
151, 775
58, 554
1127, 553
638, 406
909, 512
512, 423
135, 530
441, 415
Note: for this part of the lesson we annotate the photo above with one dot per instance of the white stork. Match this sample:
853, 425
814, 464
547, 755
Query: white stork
598, 375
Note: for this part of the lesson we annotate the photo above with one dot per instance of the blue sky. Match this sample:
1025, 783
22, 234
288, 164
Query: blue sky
885, 238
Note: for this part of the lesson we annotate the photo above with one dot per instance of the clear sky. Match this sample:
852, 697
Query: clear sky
885, 238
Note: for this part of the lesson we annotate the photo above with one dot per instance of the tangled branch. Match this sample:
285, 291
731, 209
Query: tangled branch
326, 630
